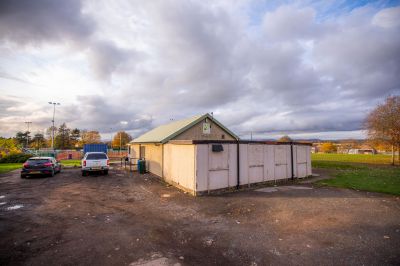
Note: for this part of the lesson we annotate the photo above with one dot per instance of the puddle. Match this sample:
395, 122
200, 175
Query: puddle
2, 197
267, 189
3, 203
15, 207
294, 187
156, 260
282, 188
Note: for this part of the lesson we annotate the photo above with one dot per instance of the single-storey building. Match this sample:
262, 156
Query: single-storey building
200, 155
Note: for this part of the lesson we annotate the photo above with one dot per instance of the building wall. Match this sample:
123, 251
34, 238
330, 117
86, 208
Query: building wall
153, 156
196, 168
196, 133
179, 165
258, 163
215, 170
133, 151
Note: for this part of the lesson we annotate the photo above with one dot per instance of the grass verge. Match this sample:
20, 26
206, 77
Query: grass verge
353, 158
7, 167
76, 163
384, 179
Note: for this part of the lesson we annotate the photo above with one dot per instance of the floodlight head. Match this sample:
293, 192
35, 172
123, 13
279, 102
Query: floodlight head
50, 103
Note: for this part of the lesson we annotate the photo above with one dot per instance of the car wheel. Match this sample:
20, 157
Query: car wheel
83, 173
52, 173
23, 176
106, 172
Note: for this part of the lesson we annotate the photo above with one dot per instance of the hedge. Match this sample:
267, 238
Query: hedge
15, 158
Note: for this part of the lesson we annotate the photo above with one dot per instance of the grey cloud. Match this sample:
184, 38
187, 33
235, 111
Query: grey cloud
105, 57
26, 21
5, 75
14, 111
290, 73
387, 18
94, 112
340, 70
289, 22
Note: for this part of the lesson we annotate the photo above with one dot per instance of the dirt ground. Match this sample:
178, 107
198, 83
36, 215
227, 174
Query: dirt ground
126, 219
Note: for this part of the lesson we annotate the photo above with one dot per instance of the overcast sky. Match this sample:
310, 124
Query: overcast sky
307, 69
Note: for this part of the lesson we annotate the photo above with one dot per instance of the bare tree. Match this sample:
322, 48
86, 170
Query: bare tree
383, 123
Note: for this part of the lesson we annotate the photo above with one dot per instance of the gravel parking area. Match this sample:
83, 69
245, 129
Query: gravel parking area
128, 219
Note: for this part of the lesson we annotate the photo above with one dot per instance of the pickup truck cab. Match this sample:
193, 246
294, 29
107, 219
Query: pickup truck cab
95, 162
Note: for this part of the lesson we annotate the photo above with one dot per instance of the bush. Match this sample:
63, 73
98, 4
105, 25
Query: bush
15, 158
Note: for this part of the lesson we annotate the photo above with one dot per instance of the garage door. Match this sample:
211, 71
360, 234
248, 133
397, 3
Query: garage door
301, 164
281, 162
218, 163
256, 163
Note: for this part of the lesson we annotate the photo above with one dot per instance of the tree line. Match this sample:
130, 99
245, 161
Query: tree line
66, 138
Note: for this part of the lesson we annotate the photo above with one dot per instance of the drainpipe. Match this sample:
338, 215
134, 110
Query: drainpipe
291, 159
238, 165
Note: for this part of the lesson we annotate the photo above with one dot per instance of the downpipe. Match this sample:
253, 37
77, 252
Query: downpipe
238, 164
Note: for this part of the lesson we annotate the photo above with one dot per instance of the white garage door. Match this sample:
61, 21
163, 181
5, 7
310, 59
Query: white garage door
281, 162
218, 163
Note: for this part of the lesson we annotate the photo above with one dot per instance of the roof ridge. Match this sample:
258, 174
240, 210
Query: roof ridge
166, 132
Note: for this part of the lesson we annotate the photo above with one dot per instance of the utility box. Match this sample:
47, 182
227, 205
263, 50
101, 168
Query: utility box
94, 148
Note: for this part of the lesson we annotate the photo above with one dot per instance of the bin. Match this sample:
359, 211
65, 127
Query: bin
141, 166
138, 166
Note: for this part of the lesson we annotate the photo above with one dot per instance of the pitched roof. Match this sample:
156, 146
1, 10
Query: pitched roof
164, 133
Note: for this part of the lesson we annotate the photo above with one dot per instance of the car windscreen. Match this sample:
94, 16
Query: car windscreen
96, 156
38, 161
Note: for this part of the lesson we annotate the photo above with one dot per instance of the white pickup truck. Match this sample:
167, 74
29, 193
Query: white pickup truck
95, 161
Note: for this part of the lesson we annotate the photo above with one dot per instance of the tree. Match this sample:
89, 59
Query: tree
285, 138
328, 147
121, 139
62, 140
383, 123
22, 138
90, 137
38, 141
75, 137
8, 146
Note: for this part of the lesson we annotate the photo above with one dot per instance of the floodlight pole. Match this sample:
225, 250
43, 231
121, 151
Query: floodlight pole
54, 113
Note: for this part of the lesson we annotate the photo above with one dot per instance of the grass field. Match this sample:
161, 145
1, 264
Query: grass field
7, 167
71, 163
359, 171
353, 158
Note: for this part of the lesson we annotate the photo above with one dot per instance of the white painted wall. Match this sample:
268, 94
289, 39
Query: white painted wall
215, 170
258, 163
196, 168
179, 165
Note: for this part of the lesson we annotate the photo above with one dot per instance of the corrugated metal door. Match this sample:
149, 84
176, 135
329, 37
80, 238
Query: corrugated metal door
256, 163
281, 162
218, 167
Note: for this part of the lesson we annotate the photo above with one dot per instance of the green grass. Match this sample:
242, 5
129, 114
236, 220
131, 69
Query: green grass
375, 179
71, 162
353, 158
7, 167
354, 173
